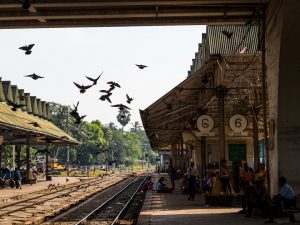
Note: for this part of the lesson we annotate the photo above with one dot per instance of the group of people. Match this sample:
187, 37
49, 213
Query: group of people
14, 177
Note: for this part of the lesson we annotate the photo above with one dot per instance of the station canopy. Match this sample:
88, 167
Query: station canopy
24, 125
28, 124
218, 65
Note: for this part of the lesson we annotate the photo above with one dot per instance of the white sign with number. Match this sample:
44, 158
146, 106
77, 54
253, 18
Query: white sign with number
238, 123
205, 124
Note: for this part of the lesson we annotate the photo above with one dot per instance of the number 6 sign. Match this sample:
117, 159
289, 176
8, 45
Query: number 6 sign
238, 123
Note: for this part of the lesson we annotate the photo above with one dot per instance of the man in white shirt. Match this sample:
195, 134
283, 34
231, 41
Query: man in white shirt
192, 174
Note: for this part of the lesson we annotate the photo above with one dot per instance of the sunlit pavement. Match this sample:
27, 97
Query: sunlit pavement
174, 208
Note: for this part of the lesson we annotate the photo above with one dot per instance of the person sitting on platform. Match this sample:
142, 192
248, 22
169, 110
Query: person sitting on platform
161, 187
257, 198
284, 199
148, 185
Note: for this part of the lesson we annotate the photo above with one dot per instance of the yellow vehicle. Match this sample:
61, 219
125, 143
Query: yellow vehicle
57, 166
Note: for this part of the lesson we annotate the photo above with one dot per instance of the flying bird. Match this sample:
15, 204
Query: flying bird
82, 88
227, 34
106, 91
113, 85
94, 80
34, 76
14, 105
78, 118
27, 49
129, 99
35, 124
120, 106
74, 112
105, 97
141, 66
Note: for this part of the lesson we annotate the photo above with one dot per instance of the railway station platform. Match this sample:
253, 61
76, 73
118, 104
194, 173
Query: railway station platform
175, 208
8, 194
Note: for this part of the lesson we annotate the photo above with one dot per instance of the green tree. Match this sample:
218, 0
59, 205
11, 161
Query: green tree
123, 117
136, 126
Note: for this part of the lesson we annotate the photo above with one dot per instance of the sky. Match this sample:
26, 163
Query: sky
66, 55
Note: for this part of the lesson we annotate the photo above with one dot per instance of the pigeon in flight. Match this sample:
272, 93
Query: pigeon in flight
82, 88
14, 105
113, 85
78, 118
129, 99
35, 124
94, 80
74, 112
106, 91
227, 34
27, 48
141, 66
120, 106
106, 97
34, 76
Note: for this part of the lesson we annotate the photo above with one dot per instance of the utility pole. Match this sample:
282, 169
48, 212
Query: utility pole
68, 147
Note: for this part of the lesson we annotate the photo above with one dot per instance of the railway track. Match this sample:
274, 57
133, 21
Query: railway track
43, 204
103, 208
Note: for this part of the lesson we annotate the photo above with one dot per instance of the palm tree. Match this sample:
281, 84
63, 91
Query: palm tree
123, 117
136, 126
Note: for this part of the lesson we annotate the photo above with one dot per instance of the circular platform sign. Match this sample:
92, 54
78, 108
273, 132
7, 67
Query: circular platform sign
238, 123
205, 123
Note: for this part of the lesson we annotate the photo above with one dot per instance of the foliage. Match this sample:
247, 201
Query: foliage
101, 143
123, 117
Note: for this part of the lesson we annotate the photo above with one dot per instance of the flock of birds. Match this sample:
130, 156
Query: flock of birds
106, 94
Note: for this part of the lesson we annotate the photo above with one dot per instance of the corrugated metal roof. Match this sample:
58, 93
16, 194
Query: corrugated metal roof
242, 36
22, 121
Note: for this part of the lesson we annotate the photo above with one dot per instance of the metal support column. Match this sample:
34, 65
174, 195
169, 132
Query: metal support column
27, 157
47, 164
181, 154
255, 142
221, 100
18, 156
264, 96
203, 160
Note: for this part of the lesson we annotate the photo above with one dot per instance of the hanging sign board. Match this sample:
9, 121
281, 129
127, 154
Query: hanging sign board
238, 123
205, 124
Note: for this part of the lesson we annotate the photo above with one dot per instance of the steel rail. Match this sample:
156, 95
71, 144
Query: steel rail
128, 203
56, 194
107, 202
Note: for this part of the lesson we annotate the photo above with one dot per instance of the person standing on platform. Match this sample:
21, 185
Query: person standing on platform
192, 175
225, 180
18, 178
172, 173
